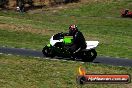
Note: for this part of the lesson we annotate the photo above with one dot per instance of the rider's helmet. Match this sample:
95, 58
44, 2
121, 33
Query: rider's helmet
73, 29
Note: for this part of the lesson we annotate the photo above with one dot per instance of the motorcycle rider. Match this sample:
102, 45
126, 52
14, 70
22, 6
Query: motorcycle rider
78, 39
126, 11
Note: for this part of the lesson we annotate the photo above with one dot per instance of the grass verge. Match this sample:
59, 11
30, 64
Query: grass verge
28, 72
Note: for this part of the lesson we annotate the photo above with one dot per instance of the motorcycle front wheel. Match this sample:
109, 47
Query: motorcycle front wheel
47, 51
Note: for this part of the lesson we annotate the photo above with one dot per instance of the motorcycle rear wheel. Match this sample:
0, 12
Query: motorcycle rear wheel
89, 56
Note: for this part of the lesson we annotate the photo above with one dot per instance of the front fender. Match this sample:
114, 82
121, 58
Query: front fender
48, 45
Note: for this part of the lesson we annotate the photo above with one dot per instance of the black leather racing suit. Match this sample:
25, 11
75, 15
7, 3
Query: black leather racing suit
78, 42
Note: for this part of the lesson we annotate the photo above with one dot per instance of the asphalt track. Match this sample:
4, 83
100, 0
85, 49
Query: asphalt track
35, 53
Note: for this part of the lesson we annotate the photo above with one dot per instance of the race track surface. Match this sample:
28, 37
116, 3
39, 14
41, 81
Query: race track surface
35, 53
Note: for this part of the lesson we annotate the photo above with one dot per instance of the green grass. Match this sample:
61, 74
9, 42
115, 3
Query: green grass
28, 72
101, 9
22, 39
98, 21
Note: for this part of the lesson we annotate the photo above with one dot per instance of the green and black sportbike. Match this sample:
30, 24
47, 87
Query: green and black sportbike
59, 46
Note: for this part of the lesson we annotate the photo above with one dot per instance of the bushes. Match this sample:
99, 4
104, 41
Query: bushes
3, 3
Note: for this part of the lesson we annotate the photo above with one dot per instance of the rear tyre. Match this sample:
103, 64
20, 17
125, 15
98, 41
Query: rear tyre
89, 56
47, 51
93, 54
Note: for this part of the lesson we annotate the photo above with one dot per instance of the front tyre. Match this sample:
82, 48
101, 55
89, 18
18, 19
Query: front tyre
47, 51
